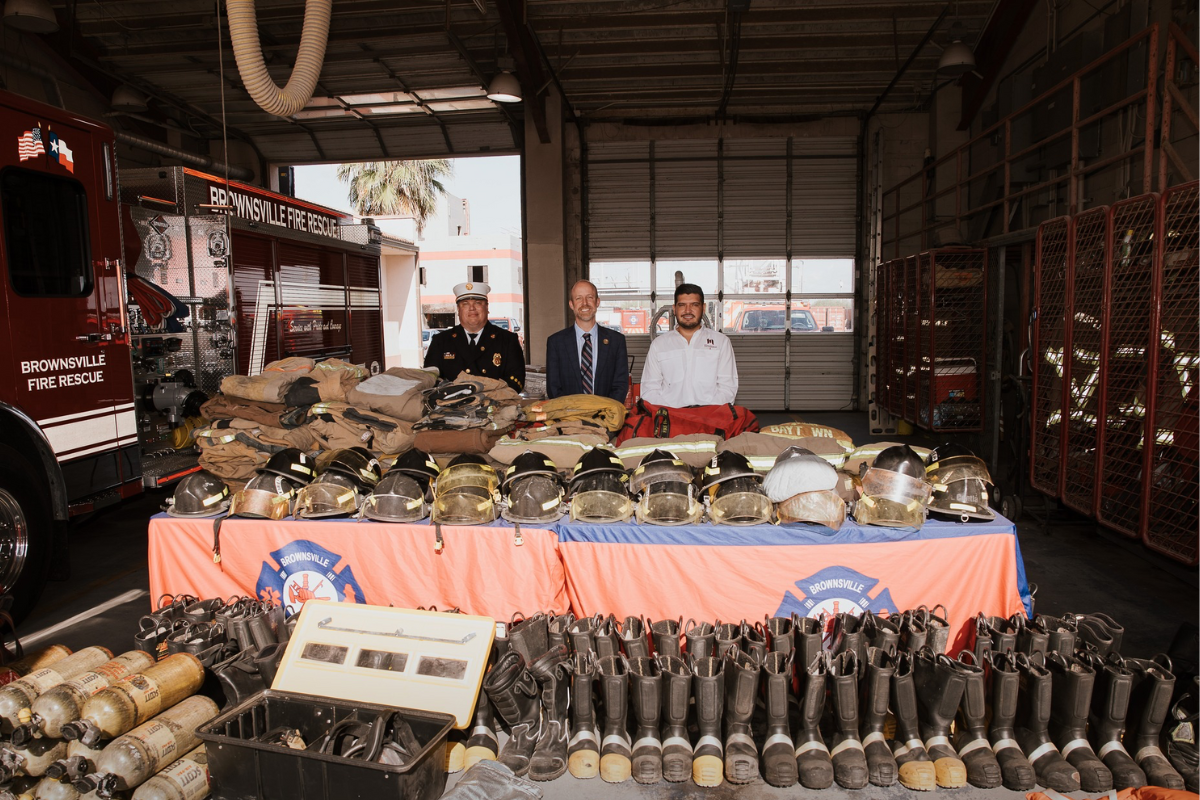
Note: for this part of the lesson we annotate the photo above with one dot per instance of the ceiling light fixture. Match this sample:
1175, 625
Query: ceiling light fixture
31, 16
957, 59
504, 88
126, 98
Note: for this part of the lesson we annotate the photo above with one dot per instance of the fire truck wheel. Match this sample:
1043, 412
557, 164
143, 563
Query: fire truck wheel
25, 534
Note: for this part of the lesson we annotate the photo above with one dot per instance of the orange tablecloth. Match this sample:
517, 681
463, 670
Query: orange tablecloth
480, 570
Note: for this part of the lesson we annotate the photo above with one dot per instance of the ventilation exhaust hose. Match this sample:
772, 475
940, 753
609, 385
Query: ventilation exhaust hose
243, 31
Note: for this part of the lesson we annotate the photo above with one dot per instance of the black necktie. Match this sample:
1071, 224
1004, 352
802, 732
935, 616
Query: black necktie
474, 338
585, 366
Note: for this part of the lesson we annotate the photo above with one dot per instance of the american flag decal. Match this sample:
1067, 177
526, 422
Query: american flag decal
29, 144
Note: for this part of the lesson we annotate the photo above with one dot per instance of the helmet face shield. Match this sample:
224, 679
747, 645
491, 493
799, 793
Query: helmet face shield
465, 494
266, 496
958, 468
964, 500
820, 508
331, 495
891, 499
534, 498
600, 497
738, 501
651, 472
399, 497
669, 503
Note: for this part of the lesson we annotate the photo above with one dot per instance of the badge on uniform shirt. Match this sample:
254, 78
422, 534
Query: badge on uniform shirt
447, 356
496, 359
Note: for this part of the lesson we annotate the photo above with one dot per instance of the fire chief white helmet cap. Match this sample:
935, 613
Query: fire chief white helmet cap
465, 290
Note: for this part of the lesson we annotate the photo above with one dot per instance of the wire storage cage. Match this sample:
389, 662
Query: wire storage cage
1050, 342
954, 288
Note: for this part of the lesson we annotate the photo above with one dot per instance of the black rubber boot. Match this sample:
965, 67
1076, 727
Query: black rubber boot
676, 694
880, 632
1061, 633
1101, 631
1106, 720
633, 638
808, 637
812, 756
778, 751
701, 640
1015, 769
514, 693
913, 631
482, 744
1031, 638
848, 637
666, 633
874, 691
1179, 736
556, 630
1033, 734
1074, 682
938, 628
583, 748
914, 767
552, 672
1149, 704
993, 633
606, 635
754, 640
708, 682
615, 748
779, 635
939, 693
741, 689
728, 636
971, 734
580, 635
849, 759
645, 686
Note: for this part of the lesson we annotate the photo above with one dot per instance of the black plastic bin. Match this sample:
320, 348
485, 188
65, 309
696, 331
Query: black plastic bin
243, 769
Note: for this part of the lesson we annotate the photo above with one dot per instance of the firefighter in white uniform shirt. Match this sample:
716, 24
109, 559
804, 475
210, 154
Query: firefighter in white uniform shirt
691, 365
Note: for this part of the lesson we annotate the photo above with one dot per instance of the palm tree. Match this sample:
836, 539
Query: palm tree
396, 187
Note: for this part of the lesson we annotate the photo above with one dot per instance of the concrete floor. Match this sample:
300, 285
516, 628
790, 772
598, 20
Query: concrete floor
1077, 566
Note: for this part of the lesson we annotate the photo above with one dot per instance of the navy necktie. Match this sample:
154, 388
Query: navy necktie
585, 366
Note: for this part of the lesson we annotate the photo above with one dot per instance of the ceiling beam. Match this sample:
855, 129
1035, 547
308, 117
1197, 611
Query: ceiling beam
995, 43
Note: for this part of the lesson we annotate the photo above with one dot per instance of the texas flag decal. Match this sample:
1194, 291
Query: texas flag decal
61, 153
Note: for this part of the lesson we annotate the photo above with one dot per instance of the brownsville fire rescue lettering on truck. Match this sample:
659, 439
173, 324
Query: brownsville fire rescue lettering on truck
65, 368
262, 209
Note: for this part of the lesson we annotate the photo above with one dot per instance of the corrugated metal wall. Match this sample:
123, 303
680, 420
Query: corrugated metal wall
781, 199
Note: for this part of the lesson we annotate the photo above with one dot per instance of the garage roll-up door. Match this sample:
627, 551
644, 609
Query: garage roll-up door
758, 222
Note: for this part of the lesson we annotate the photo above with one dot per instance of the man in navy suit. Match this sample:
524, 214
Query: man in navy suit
586, 358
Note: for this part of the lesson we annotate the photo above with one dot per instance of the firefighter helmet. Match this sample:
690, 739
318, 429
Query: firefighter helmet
398, 497
332, 494
266, 496
357, 463
601, 496
798, 472
293, 464
902, 459
534, 497
530, 463
659, 466
416, 463
738, 500
598, 459
466, 492
200, 494
726, 466
960, 483
892, 499
946, 450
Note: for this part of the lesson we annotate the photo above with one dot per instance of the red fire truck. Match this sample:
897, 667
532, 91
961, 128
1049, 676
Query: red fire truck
126, 304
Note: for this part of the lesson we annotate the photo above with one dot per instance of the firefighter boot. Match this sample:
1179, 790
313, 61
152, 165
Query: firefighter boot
514, 692
1061, 633
482, 744
615, 749
848, 637
1149, 703
549, 759
633, 638
583, 750
645, 687
708, 679
873, 707
1074, 682
741, 689
666, 633
557, 628
808, 635
880, 632
530, 637
993, 633
728, 635
676, 692
1178, 736
1031, 637
780, 630
1015, 769
913, 631
754, 640
1106, 720
1101, 631
1033, 721
812, 756
606, 636
939, 692
849, 760
971, 740
701, 639
778, 752
914, 767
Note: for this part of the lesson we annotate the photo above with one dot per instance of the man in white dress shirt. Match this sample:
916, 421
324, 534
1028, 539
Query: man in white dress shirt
691, 365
